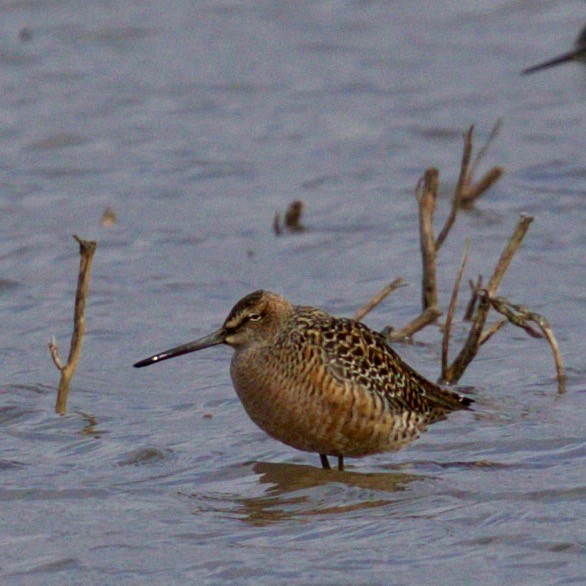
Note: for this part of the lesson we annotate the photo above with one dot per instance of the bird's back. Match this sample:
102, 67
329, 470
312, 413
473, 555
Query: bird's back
354, 353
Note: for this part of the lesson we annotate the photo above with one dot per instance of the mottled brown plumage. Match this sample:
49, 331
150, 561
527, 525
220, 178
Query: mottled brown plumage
320, 383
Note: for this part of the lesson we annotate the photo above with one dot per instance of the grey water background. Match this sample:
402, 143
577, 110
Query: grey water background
196, 121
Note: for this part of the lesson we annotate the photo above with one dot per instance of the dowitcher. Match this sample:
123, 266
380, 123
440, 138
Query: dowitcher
578, 54
320, 383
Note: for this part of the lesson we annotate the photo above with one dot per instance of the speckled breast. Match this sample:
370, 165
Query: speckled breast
308, 409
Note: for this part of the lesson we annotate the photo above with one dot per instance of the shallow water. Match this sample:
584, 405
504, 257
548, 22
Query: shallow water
195, 122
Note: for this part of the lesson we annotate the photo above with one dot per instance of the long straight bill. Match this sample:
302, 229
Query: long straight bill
211, 340
576, 54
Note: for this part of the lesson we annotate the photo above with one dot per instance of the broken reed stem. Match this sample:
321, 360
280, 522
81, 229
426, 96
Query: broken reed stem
508, 253
426, 197
483, 150
452, 309
456, 369
293, 217
380, 296
460, 187
473, 192
292, 220
87, 249
426, 192
428, 316
55, 354
519, 316
557, 355
475, 287
277, 224
491, 330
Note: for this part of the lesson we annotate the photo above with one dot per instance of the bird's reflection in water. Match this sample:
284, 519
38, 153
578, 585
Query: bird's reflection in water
286, 478
294, 491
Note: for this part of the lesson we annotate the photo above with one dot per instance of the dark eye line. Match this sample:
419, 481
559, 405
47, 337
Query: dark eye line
243, 320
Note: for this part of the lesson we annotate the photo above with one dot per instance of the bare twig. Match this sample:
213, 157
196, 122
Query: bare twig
557, 355
460, 187
452, 309
426, 197
292, 221
467, 191
277, 224
472, 344
87, 249
515, 316
427, 317
508, 253
484, 149
491, 330
474, 190
293, 217
519, 316
55, 353
370, 305
475, 287
471, 191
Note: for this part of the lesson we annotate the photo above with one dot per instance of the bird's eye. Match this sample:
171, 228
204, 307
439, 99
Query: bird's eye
254, 316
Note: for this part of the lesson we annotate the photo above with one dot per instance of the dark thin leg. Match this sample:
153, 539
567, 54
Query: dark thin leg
324, 462
341, 463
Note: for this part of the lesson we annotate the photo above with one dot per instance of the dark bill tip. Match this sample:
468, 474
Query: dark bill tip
147, 361
211, 340
547, 64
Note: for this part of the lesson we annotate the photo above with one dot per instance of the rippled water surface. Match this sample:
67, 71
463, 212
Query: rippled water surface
197, 121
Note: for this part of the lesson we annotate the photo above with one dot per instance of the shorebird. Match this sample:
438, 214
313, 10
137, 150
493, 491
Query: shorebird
578, 54
320, 383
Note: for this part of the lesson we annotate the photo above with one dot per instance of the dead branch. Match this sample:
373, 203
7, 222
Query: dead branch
519, 316
277, 224
557, 355
491, 330
292, 221
484, 148
467, 191
293, 217
452, 309
471, 191
482, 300
475, 287
462, 182
508, 253
380, 296
426, 197
426, 193
474, 190
456, 369
87, 249
54, 350
428, 316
